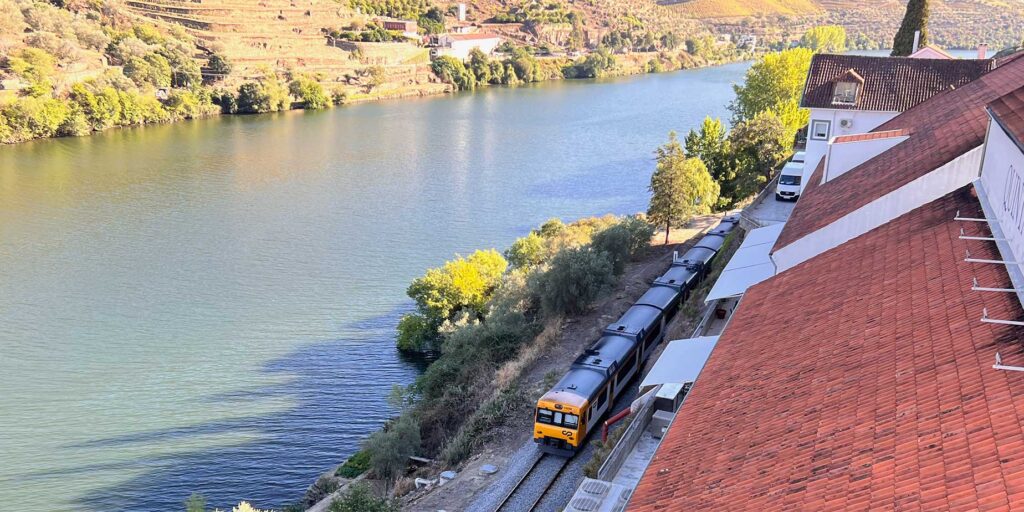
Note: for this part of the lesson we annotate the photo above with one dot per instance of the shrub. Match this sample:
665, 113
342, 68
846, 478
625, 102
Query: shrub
259, 97
528, 251
356, 465
391, 447
31, 118
461, 285
614, 243
359, 498
576, 278
452, 71
219, 66
322, 488
195, 503
153, 69
36, 66
417, 333
309, 92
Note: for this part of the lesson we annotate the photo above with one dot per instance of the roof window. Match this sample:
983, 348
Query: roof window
845, 93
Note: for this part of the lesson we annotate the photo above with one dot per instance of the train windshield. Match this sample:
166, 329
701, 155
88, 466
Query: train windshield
557, 419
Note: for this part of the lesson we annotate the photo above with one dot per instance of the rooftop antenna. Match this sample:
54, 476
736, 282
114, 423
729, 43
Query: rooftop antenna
971, 219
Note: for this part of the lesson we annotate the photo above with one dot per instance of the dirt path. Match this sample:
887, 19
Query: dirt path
504, 449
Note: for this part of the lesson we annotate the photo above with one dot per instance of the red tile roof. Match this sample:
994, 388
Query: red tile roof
473, 36
1008, 111
859, 137
860, 379
941, 129
890, 84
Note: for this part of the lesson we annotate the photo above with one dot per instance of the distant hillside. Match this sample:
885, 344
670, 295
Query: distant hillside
704, 9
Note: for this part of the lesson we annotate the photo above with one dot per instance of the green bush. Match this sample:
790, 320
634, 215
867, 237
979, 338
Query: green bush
31, 118
153, 69
461, 285
577, 277
391, 447
359, 498
452, 71
417, 333
355, 465
266, 95
309, 92
528, 251
36, 67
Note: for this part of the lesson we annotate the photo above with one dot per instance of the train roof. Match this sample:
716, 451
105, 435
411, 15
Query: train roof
636, 320
585, 383
711, 241
696, 255
659, 296
676, 277
610, 347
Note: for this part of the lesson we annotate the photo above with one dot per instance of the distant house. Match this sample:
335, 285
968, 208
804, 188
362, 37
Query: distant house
853, 94
408, 28
931, 52
459, 45
748, 41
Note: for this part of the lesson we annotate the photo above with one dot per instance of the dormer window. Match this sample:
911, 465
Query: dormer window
845, 93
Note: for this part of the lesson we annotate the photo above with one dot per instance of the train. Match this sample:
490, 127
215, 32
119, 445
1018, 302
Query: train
574, 407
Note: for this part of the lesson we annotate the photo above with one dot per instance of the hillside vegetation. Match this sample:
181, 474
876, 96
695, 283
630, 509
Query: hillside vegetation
703, 9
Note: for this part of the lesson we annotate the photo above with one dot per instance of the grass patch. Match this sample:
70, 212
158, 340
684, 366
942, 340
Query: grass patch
356, 465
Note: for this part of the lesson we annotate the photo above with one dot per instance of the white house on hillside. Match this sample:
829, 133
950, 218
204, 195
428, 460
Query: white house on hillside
854, 94
459, 45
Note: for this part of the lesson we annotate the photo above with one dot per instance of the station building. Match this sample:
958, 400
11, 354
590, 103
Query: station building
882, 366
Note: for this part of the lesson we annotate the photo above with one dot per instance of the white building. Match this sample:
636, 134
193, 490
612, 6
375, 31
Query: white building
459, 45
854, 94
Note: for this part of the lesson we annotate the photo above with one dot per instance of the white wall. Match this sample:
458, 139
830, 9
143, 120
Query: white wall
1003, 179
460, 48
863, 121
955, 174
844, 156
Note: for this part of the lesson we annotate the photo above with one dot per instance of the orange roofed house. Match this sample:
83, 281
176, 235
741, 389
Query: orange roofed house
863, 375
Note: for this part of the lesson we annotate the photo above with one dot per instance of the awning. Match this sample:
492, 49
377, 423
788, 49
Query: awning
750, 265
681, 361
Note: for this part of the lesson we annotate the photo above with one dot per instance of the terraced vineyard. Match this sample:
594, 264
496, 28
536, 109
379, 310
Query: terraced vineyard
704, 9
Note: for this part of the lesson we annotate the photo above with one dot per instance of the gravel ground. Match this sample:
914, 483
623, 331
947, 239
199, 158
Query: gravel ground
560, 493
522, 461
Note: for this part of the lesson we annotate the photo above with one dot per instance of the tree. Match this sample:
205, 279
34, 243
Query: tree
577, 277
758, 146
452, 71
825, 39
480, 65
681, 187
461, 285
195, 503
914, 20
710, 144
310, 92
775, 83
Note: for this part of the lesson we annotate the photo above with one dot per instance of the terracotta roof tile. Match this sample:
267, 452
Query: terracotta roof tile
858, 137
1008, 111
859, 379
941, 129
890, 84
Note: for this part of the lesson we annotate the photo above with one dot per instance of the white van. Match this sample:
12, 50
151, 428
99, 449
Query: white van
788, 187
799, 157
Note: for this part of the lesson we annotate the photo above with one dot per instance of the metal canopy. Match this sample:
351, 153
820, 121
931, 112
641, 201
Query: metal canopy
750, 265
681, 361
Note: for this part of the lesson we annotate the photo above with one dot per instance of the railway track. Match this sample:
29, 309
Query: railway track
534, 485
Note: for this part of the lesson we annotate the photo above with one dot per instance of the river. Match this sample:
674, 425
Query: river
209, 306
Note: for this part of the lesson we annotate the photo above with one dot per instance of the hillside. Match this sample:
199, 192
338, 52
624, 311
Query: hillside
705, 9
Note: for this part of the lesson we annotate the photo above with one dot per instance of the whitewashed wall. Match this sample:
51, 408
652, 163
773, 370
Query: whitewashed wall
863, 121
845, 156
1003, 179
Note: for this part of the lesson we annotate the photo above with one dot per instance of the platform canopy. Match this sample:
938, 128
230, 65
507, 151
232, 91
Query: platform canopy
681, 361
750, 265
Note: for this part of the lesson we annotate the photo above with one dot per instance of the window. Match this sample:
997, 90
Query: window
845, 93
557, 419
819, 130
789, 179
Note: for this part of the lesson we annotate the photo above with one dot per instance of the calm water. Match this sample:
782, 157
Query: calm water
209, 306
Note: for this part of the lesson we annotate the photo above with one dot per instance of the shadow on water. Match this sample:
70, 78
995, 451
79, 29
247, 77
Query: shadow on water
329, 383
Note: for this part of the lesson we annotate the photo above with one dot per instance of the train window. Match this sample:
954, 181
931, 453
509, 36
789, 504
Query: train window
558, 418
545, 416
571, 421
628, 365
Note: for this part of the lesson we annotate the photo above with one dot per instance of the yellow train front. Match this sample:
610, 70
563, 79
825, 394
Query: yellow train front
576, 405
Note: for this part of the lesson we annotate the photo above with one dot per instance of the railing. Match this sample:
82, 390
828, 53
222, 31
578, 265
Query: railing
632, 434
747, 221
